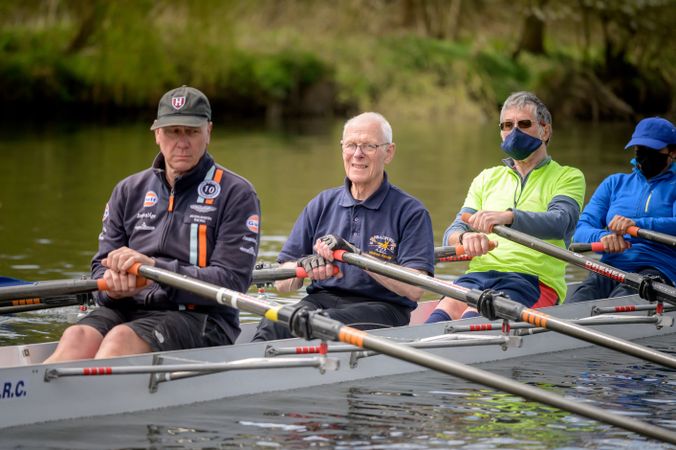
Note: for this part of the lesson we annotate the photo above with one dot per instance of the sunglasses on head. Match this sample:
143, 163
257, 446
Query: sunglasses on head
522, 124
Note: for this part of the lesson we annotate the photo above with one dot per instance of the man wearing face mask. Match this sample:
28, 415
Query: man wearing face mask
644, 198
531, 193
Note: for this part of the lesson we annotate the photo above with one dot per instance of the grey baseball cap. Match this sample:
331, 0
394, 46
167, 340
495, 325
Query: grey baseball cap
185, 106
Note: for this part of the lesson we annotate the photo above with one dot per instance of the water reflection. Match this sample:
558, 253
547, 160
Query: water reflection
417, 411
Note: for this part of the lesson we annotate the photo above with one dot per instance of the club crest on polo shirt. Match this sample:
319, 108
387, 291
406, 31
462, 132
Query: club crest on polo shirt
178, 102
150, 199
383, 247
209, 189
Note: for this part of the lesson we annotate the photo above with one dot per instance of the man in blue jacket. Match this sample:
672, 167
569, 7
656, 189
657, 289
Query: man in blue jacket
644, 198
186, 214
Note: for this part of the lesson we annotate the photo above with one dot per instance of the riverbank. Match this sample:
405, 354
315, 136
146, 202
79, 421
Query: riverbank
101, 60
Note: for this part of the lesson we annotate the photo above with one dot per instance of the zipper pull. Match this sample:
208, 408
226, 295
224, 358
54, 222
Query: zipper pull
171, 200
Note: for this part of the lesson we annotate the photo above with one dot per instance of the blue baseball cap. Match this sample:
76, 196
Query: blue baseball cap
653, 132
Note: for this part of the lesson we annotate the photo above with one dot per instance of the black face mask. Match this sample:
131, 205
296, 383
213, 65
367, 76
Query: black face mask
650, 162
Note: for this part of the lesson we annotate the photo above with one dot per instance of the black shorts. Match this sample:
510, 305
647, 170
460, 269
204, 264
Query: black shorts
162, 330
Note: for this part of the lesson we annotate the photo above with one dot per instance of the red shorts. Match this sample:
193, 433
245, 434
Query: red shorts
548, 297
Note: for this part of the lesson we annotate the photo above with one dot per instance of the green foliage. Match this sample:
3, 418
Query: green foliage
260, 55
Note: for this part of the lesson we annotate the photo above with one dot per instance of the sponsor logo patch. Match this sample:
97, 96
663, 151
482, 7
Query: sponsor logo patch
106, 213
159, 336
194, 218
382, 246
203, 208
146, 215
209, 189
150, 199
178, 102
144, 226
252, 223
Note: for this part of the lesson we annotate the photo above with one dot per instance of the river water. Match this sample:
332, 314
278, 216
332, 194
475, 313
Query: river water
55, 181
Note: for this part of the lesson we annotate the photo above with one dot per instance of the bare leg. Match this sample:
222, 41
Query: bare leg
77, 342
120, 341
454, 308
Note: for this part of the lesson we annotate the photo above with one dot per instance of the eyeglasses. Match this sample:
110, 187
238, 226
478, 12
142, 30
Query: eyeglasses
522, 124
367, 149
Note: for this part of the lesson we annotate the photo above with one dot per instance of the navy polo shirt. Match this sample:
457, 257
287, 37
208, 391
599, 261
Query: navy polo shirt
390, 225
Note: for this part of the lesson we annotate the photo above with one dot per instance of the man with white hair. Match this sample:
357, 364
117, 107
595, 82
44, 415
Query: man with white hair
371, 214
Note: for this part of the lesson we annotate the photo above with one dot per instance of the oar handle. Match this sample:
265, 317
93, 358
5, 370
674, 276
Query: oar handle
662, 238
302, 273
581, 247
101, 284
281, 273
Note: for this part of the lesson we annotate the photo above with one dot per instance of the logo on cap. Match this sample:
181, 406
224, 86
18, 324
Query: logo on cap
178, 102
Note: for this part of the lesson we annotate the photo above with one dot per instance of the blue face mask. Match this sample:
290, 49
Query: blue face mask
520, 145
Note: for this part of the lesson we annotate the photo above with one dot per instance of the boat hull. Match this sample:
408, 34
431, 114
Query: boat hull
26, 398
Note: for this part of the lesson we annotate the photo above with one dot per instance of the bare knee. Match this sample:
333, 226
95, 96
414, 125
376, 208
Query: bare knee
454, 308
122, 340
77, 342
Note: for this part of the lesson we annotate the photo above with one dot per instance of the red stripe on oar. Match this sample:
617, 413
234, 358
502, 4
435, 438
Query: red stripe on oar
633, 231
97, 371
308, 349
455, 258
481, 327
627, 308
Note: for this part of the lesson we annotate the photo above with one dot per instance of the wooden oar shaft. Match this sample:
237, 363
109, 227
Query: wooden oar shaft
506, 308
662, 238
324, 327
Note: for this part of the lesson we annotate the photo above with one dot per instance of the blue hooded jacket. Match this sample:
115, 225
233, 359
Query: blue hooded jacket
650, 203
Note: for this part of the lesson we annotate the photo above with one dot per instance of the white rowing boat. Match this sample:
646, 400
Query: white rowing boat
31, 392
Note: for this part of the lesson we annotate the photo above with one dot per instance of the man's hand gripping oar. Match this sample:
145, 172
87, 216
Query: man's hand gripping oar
647, 288
313, 325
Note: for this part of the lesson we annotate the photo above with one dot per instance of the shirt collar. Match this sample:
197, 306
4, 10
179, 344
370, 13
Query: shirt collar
373, 202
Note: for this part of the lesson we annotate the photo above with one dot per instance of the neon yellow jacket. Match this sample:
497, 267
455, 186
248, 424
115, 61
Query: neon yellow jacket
499, 189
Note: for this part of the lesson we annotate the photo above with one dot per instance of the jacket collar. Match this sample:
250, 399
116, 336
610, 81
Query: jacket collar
195, 175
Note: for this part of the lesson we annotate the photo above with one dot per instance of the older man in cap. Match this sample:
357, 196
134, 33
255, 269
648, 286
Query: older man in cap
186, 214
644, 198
